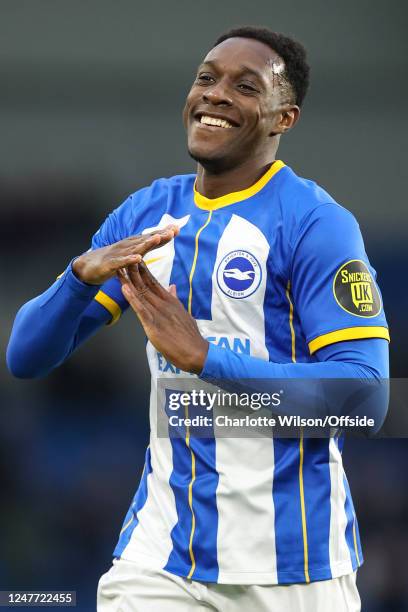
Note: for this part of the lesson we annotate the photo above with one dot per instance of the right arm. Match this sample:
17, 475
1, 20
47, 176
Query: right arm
48, 328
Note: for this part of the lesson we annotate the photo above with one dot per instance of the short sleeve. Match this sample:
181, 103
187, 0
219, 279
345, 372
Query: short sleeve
334, 287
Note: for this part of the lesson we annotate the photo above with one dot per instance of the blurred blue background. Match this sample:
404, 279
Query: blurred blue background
90, 110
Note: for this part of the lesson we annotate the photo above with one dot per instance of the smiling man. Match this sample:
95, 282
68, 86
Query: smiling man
256, 273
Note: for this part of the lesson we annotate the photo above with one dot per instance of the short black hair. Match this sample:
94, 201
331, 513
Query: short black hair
293, 53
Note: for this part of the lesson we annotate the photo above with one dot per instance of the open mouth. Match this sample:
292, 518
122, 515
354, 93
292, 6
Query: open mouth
217, 122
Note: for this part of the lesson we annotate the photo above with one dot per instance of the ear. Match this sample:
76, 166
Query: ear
286, 119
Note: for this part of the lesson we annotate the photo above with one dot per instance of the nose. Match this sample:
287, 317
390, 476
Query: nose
217, 94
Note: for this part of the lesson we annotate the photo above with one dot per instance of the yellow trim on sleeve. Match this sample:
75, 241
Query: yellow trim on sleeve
349, 333
237, 196
110, 305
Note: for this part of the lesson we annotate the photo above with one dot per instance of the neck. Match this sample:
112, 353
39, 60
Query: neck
216, 184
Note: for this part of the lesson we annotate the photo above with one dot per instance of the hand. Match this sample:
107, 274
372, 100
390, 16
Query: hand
96, 267
167, 324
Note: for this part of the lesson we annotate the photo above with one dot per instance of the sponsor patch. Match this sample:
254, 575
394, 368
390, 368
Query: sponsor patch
239, 274
355, 290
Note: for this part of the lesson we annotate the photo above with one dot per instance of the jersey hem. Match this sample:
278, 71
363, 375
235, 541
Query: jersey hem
250, 577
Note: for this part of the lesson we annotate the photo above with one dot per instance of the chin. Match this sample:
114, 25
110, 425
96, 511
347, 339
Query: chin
213, 161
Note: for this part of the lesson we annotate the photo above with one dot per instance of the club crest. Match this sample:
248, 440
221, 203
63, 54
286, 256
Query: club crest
239, 274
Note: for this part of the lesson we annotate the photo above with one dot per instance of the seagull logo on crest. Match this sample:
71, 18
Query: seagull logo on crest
239, 274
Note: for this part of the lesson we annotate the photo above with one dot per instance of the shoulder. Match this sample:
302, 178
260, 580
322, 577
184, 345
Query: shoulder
306, 204
161, 187
301, 195
144, 207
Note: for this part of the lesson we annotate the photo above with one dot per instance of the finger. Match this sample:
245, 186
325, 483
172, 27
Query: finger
171, 228
167, 232
122, 275
151, 281
145, 288
140, 307
133, 243
124, 260
152, 242
138, 292
147, 242
135, 278
173, 290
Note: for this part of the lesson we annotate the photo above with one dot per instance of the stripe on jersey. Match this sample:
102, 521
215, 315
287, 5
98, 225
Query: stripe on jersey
352, 533
246, 472
139, 500
194, 478
288, 486
340, 562
194, 481
196, 261
254, 471
317, 489
288, 512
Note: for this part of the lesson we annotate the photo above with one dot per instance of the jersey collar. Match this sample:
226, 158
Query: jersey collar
237, 196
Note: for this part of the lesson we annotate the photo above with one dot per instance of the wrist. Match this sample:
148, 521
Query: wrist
78, 269
77, 285
199, 357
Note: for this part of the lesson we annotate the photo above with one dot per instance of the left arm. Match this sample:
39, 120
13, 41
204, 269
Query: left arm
174, 333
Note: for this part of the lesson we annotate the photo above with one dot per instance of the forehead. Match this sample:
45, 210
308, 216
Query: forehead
255, 55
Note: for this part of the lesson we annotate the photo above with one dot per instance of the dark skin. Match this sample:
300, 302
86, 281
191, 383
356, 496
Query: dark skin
98, 266
164, 318
238, 82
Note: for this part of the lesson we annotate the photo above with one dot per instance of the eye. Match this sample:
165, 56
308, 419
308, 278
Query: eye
204, 77
248, 87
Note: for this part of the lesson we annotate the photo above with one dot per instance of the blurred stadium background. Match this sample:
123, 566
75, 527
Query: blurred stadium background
90, 110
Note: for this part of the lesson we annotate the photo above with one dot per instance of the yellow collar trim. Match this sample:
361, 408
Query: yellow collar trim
236, 196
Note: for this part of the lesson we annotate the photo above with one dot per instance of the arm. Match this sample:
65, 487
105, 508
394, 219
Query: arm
48, 328
352, 359
314, 389
174, 333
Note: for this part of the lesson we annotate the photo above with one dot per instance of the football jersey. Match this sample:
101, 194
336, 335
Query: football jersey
276, 271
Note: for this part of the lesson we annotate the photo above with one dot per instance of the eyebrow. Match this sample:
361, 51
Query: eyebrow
243, 69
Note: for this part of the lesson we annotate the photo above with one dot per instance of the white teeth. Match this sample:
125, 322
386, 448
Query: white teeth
212, 121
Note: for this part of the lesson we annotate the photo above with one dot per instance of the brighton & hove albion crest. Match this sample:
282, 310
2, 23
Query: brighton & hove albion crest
239, 274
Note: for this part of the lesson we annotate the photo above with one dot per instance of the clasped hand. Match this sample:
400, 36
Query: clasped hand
167, 324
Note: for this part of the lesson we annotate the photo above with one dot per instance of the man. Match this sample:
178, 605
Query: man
256, 273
